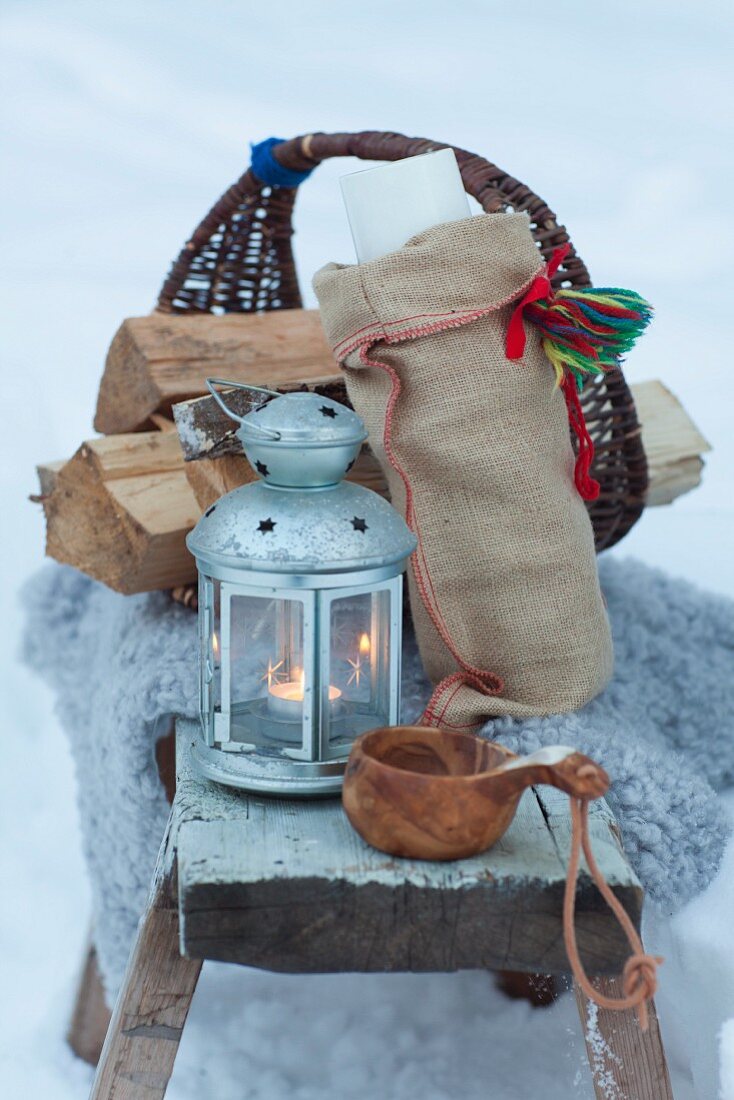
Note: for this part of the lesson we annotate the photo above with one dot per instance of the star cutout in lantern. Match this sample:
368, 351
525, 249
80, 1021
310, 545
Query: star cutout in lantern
358, 524
356, 674
266, 525
326, 410
262, 469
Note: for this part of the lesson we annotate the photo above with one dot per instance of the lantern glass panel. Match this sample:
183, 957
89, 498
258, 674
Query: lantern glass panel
265, 677
359, 665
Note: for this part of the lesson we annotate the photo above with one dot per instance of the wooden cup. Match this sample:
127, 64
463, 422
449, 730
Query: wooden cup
434, 794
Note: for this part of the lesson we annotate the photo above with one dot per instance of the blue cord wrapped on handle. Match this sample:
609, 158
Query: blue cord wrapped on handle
269, 170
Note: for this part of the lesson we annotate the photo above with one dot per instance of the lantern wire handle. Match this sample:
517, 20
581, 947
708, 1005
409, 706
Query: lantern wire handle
212, 383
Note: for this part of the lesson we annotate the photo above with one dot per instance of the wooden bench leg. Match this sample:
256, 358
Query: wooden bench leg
91, 1016
626, 1063
142, 1040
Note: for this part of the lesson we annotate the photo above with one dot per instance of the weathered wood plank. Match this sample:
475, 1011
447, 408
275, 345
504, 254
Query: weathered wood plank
292, 887
157, 360
607, 847
145, 1031
604, 834
626, 1063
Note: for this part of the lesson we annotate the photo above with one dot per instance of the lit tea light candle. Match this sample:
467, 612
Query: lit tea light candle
285, 701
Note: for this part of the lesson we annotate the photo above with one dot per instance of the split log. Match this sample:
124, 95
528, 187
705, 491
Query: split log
120, 510
156, 361
121, 507
211, 478
673, 444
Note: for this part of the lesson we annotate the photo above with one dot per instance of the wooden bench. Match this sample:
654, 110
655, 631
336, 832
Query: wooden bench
289, 886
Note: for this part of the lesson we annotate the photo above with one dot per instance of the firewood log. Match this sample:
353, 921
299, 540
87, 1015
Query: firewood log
211, 478
157, 360
121, 507
673, 444
120, 510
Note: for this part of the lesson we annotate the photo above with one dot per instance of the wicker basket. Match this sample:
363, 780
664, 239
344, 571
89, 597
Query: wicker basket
239, 259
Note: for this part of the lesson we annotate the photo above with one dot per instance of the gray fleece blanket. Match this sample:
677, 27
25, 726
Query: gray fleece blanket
662, 729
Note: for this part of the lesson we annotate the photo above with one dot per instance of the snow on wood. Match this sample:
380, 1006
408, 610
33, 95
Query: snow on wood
625, 1061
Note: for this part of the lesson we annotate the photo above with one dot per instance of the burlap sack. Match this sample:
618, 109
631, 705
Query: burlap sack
477, 453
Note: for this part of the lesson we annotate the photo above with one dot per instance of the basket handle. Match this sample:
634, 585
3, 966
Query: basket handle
270, 209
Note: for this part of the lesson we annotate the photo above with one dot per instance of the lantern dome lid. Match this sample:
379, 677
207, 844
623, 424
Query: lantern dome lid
342, 528
303, 420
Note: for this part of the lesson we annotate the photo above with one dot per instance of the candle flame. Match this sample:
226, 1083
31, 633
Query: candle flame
215, 644
364, 644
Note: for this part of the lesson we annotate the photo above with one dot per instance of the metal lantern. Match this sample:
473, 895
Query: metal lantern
300, 603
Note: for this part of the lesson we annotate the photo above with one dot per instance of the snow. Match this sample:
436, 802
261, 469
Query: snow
122, 123
726, 1080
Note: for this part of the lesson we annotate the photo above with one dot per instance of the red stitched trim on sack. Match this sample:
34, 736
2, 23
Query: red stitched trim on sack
456, 681
450, 320
431, 718
486, 682
381, 325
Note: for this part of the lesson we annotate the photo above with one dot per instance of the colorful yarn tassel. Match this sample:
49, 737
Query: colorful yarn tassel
584, 332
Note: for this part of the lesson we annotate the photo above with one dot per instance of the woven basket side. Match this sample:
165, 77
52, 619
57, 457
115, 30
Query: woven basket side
239, 258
